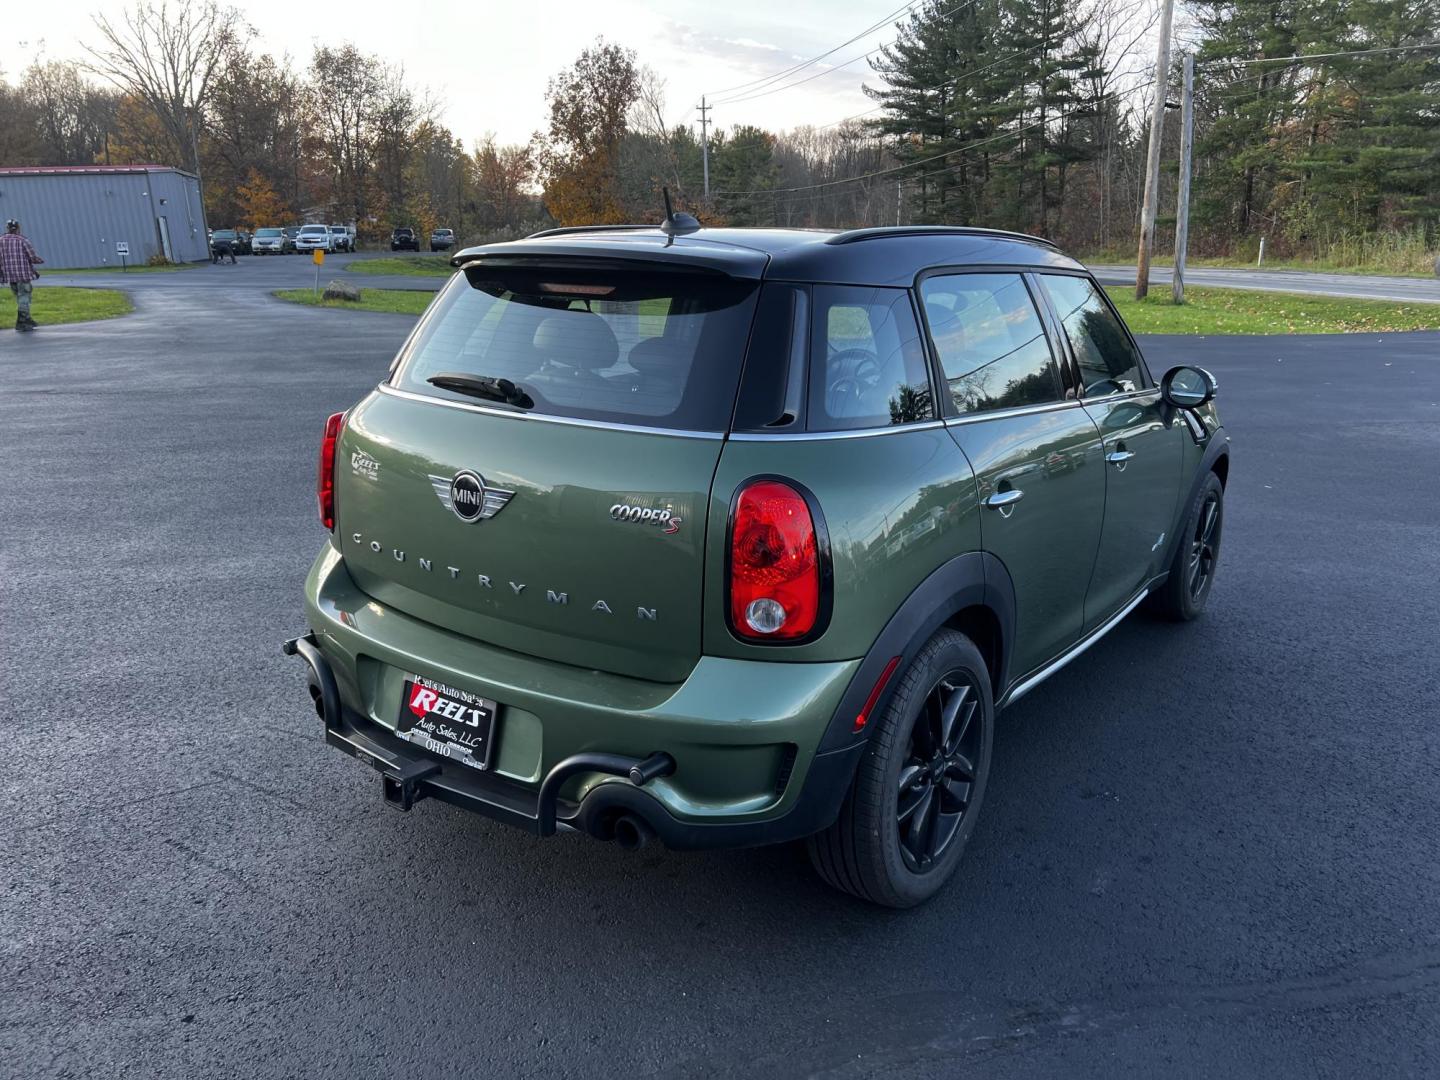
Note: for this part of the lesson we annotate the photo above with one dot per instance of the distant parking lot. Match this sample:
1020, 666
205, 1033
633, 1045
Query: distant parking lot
1211, 845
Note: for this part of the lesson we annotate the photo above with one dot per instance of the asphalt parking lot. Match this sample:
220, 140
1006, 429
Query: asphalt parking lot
1206, 851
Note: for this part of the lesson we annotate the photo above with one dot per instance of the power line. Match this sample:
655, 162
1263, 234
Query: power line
941, 85
1321, 56
755, 83
759, 92
948, 153
962, 77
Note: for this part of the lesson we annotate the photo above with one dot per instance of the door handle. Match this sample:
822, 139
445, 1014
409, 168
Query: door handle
1118, 458
1005, 501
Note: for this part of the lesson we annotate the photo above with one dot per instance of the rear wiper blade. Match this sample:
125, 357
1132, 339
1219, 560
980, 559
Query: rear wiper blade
484, 386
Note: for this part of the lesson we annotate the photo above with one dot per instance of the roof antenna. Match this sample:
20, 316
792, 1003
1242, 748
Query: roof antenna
676, 224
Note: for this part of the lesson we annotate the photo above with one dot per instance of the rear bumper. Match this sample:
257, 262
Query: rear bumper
726, 759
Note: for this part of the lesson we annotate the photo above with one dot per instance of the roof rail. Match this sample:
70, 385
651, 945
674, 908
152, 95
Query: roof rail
567, 229
885, 231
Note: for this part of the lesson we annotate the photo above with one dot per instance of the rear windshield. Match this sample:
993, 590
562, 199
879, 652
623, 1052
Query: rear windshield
656, 350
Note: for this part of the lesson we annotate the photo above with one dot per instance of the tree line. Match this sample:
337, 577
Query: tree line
1022, 114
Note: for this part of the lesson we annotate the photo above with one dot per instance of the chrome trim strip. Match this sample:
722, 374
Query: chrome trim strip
1023, 410
812, 436
1103, 398
1020, 689
570, 421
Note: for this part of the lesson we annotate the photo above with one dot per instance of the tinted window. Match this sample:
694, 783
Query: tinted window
658, 350
1109, 362
990, 341
867, 366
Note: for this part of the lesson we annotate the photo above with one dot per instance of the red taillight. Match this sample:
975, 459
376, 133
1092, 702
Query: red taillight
775, 567
325, 481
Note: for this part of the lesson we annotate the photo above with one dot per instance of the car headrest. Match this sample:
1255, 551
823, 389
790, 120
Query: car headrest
653, 356
578, 339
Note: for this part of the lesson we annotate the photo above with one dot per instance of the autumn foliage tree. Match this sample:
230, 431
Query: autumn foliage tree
258, 204
580, 155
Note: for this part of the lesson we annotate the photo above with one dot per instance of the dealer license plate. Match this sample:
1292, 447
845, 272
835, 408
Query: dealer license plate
452, 723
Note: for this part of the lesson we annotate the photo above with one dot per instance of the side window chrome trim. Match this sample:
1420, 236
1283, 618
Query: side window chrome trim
541, 418
1001, 414
817, 436
1149, 391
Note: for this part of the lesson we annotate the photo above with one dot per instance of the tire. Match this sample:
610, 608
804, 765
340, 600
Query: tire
868, 852
1182, 598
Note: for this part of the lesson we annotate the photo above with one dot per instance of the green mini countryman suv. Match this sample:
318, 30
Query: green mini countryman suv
723, 537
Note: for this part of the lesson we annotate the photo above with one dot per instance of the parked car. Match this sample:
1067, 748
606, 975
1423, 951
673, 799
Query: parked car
732, 537
238, 239
442, 239
404, 240
271, 242
311, 237
293, 232
340, 239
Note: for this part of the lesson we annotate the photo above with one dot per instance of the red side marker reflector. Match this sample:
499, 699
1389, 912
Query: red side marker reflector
880, 684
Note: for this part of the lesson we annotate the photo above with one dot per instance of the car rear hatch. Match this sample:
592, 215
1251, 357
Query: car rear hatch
568, 521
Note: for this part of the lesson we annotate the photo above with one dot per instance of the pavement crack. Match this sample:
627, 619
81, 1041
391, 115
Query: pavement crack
108, 808
261, 789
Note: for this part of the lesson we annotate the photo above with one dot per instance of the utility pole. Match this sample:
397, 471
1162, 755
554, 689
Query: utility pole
1152, 165
1187, 147
705, 142
900, 201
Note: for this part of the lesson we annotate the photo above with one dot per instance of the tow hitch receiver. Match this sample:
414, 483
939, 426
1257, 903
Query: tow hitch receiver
400, 781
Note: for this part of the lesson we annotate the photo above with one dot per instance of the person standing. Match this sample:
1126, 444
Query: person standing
17, 268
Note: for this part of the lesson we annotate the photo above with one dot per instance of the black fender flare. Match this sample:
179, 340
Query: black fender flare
975, 579
1216, 447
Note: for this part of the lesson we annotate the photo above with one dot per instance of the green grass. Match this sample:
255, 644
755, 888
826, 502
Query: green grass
166, 268
1241, 311
391, 301
437, 265
52, 305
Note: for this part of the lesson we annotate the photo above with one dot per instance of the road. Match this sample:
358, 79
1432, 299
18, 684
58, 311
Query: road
254, 273
1206, 850
293, 272
1360, 286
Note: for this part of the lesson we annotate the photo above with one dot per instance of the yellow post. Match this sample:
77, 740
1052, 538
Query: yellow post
318, 255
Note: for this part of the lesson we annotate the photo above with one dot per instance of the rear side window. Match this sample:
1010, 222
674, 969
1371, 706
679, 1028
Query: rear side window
1109, 361
867, 364
658, 350
990, 341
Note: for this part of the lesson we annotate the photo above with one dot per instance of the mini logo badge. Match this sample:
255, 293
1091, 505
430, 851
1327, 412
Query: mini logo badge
468, 496
362, 464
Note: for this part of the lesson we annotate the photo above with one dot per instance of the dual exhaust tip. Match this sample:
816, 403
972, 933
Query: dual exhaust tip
630, 832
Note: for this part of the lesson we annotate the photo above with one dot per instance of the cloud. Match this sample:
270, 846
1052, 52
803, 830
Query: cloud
761, 57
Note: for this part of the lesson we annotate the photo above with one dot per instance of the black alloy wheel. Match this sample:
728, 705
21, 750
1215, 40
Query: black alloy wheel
937, 776
920, 781
1204, 547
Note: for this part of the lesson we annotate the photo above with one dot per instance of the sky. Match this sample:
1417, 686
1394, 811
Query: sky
487, 62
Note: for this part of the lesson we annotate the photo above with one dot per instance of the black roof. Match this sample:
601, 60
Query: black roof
884, 256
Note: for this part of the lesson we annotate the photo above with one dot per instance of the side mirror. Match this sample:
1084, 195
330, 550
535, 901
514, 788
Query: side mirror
1187, 387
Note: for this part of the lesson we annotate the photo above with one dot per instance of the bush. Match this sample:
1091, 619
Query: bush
158, 259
